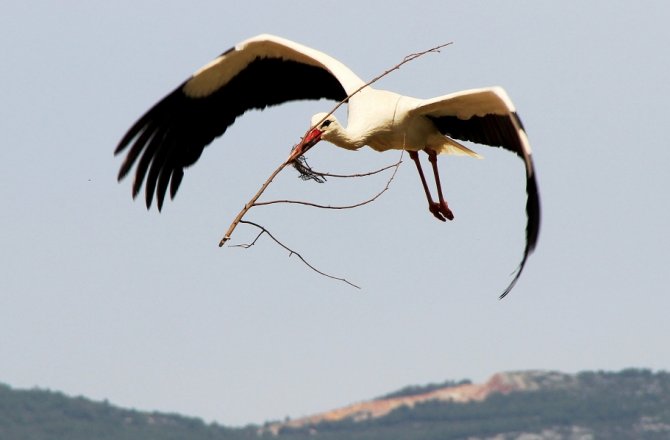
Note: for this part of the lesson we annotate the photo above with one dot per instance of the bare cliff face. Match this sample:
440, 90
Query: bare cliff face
498, 383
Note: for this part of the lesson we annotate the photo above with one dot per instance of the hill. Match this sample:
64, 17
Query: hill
631, 404
41, 414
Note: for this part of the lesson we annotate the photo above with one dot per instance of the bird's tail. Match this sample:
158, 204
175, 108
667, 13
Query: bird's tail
450, 146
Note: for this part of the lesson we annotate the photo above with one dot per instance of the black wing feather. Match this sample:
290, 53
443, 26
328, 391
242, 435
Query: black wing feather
500, 131
175, 131
494, 130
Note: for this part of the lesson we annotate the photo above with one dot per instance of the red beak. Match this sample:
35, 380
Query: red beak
312, 138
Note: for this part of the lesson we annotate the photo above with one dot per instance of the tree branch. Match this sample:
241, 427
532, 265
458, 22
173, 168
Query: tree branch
348, 176
250, 204
291, 252
365, 202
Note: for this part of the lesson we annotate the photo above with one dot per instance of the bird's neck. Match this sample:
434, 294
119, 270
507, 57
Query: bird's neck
345, 139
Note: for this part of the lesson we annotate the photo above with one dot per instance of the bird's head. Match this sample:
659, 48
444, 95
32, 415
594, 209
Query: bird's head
323, 125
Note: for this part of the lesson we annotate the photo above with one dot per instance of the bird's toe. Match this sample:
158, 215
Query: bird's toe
435, 210
445, 211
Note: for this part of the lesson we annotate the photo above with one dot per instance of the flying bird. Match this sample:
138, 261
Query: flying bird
267, 70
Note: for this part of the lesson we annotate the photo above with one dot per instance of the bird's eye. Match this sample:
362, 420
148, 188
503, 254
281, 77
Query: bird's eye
326, 123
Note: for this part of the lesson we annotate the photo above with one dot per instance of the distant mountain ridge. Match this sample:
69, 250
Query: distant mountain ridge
522, 405
502, 383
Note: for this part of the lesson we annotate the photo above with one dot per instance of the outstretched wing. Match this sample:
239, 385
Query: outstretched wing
259, 72
487, 116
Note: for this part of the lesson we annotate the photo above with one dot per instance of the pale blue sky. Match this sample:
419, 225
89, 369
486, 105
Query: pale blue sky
101, 298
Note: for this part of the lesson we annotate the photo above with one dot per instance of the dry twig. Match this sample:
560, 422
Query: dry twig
348, 176
365, 202
250, 204
291, 252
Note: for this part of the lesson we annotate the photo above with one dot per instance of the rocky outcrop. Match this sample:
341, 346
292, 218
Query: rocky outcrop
498, 383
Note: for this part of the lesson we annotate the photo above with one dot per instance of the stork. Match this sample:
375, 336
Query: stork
267, 70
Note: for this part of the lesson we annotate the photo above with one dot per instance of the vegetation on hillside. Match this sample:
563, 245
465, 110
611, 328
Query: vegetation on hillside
624, 405
413, 390
40, 414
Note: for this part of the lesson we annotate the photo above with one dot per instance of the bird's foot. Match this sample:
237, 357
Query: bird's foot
444, 209
435, 210
441, 211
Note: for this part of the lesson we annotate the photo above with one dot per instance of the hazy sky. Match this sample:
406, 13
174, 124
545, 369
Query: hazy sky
101, 298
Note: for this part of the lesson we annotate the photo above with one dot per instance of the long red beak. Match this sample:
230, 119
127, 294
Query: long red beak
312, 138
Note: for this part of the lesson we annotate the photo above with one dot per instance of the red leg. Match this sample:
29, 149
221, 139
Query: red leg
444, 208
432, 206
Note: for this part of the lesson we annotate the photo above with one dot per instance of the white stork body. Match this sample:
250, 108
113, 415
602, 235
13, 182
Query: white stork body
268, 70
386, 120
